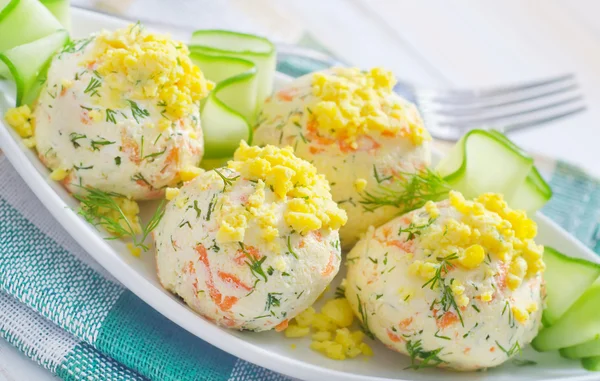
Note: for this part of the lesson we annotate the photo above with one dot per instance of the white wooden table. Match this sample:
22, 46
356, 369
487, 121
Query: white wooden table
429, 42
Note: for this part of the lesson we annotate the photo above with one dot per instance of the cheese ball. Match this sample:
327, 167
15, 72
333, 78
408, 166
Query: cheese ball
120, 112
459, 282
356, 131
251, 245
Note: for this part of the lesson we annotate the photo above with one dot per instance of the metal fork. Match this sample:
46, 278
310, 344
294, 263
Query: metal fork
448, 114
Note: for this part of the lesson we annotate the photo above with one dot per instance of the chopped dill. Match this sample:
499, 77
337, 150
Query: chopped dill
155, 154
100, 142
378, 178
198, 210
516, 348
364, 318
441, 337
340, 292
139, 177
75, 137
211, 207
447, 300
272, 300
110, 116
93, 86
427, 359
254, 264
137, 112
414, 230
289, 247
82, 167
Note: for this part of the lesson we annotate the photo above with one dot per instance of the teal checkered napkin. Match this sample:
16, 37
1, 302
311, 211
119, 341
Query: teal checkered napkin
61, 310
575, 204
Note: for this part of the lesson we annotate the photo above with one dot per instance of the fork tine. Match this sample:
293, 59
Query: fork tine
465, 95
462, 122
451, 133
493, 103
546, 119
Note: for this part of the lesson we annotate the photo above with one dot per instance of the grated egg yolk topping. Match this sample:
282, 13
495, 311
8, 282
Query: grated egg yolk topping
354, 103
332, 336
487, 227
148, 66
293, 181
21, 120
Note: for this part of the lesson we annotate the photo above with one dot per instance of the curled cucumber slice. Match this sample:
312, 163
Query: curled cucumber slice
24, 21
242, 66
487, 161
26, 64
229, 109
61, 9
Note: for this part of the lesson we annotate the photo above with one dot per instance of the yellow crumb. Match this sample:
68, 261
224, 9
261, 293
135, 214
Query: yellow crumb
171, 193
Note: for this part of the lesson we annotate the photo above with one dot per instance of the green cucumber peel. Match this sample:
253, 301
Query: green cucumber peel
487, 161
591, 363
567, 278
228, 111
578, 325
259, 50
587, 349
29, 17
243, 67
26, 64
61, 9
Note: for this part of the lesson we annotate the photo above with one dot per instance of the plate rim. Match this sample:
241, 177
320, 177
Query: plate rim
88, 238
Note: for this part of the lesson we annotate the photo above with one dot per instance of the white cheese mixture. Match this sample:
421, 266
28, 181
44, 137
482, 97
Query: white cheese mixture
252, 245
462, 287
102, 121
354, 157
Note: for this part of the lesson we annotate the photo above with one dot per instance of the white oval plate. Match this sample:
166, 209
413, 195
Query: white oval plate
270, 350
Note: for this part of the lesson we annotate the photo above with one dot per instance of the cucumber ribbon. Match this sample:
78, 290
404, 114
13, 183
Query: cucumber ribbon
243, 67
487, 161
24, 55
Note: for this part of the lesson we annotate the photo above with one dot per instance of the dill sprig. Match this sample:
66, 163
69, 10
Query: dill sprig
409, 192
75, 46
427, 359
95, 203
227, 181
362, 310
516, 348
447, 300
340, 292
